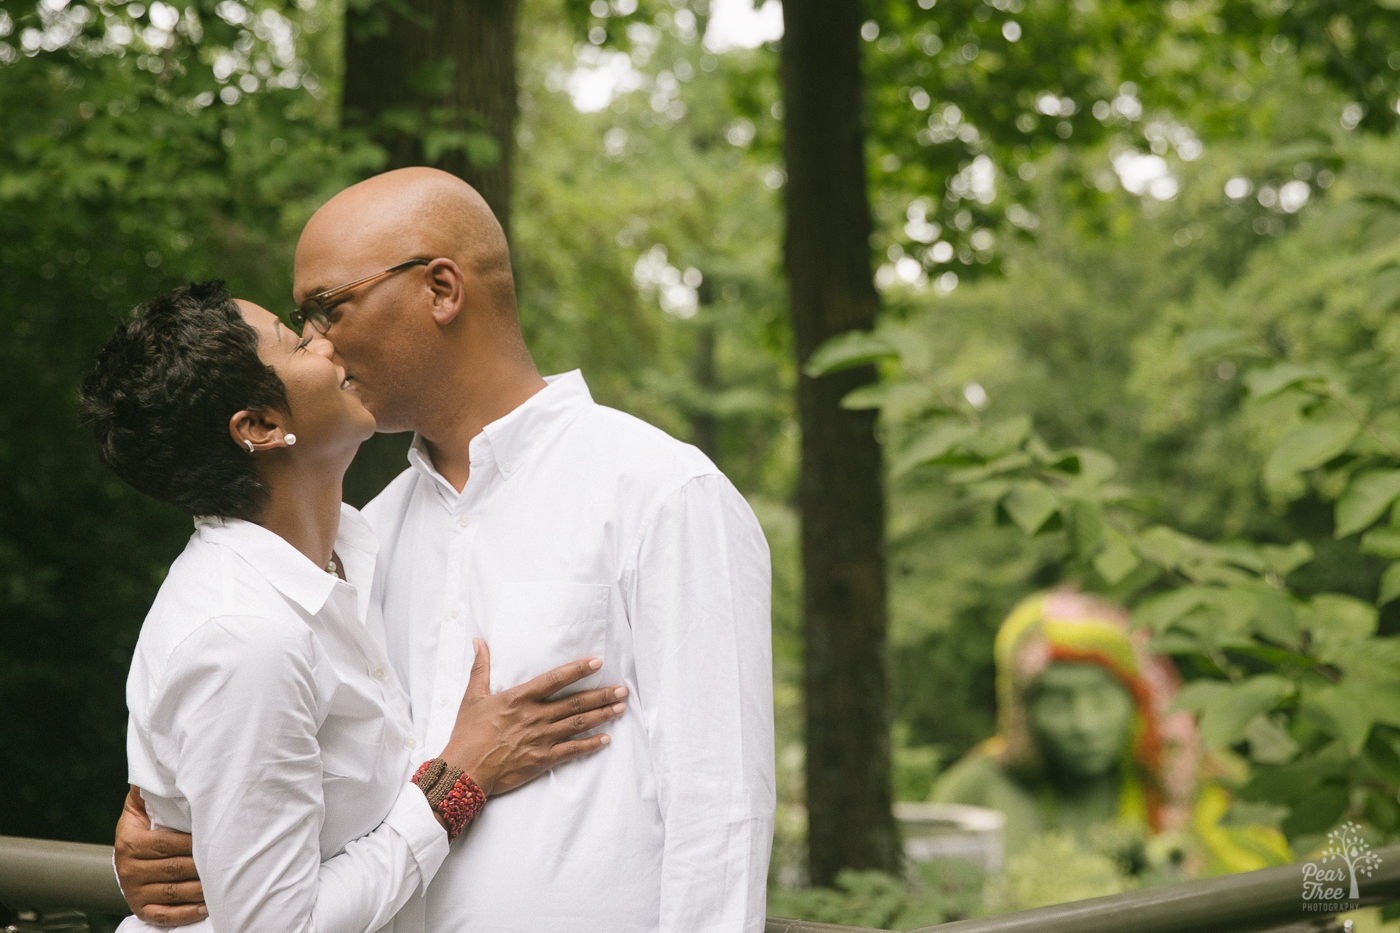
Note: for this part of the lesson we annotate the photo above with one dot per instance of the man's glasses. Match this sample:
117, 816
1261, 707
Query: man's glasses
315, 310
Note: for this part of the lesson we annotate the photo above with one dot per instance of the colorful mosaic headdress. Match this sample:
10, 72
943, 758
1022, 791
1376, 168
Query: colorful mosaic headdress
1065, 625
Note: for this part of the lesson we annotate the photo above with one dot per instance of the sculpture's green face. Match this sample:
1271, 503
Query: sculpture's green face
1080, 716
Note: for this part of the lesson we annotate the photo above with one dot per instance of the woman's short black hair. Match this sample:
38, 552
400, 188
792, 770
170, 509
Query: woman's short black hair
161, 394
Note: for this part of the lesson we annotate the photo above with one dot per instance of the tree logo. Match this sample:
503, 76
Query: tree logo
1332, 887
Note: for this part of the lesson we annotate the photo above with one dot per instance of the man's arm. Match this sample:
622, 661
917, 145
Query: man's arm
699, 605
155, 869
512, 736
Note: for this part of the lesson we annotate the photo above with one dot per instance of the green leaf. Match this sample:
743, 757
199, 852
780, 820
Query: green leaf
1211, 342
1085, 522
1228, 709
898, 397
1366, 499
1389, 588
1086, 464
1283, 560
1275, 617
1382, 542
1164, 546
1262, 383
1030, 506
1311, 445
1001, 437
1116, 559
857, 348
1199, 695
1159, 613
1339, 714
1333, 617
1269, 742
933, 446
1368, 668
872, 396
976, 474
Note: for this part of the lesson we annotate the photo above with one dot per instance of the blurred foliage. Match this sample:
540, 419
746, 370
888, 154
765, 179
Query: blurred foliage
931, 893
142, 147
1255, 540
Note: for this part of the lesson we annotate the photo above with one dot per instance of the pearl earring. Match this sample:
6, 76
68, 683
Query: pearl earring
290, 440
249, 444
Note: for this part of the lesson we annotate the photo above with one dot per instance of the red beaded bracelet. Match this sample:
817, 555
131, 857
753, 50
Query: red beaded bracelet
451, 793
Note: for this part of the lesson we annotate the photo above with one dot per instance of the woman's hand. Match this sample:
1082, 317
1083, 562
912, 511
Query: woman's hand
155, 869
506, 739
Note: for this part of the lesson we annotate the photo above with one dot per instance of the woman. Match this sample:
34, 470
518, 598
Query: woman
264, 719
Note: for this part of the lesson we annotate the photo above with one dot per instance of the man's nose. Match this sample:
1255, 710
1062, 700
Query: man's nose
322, 345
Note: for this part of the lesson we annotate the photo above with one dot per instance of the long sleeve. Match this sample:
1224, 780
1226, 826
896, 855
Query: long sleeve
700, 616
236, 719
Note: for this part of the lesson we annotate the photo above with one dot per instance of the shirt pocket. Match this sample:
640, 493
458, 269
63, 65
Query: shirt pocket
539, 625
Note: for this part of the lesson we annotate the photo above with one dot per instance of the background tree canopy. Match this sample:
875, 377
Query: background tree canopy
1136, 270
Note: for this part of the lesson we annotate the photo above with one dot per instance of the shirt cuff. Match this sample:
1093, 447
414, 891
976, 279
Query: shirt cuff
413, 819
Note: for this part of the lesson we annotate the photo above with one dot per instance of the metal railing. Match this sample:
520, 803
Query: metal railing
41, 874
1270, 899
44, 874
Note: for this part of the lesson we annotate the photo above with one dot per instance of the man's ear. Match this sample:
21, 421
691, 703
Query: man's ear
256, 430
448, 284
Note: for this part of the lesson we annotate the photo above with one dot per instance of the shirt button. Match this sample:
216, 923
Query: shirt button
462, 521
410, 743
377, 673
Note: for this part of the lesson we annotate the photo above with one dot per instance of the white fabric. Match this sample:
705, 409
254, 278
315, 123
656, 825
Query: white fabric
585, 532
265, 720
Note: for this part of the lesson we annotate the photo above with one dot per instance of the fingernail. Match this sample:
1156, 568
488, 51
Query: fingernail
620, 692
594, 664
618, 708
604, 740
203, 911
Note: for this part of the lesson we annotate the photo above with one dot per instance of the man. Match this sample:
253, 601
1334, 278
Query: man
554, 528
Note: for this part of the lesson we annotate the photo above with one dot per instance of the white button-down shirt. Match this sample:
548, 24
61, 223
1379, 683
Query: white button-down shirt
585, 532
267, 721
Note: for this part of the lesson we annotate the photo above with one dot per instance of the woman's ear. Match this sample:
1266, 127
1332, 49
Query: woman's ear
448, 285
256, 430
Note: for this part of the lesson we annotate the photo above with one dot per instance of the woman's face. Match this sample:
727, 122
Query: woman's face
1080, 716
323, 413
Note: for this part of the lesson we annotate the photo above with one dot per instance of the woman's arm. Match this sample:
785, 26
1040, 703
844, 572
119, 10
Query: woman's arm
244, 738
236, 717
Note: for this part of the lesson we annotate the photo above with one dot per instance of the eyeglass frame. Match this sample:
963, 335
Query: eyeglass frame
313, 309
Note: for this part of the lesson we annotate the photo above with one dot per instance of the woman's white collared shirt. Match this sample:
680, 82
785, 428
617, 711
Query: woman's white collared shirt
267, 722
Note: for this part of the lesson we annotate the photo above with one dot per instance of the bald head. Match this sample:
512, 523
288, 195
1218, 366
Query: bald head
423, 317
403, 214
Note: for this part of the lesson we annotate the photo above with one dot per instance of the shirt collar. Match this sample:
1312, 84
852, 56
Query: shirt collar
506, 443
288, 570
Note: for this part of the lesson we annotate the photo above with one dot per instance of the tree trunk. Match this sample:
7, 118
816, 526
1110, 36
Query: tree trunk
418, 70
841, 493
434, 83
